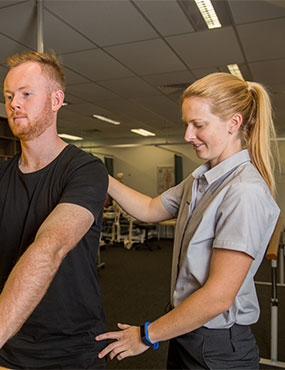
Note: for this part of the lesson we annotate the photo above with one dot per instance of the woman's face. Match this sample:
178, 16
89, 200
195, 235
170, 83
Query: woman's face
212, 138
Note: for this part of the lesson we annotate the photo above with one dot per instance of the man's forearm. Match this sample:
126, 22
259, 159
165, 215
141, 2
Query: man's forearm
33, 273
25, 287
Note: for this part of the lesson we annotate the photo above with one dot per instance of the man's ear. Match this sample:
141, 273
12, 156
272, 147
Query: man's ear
57, 100
235, 123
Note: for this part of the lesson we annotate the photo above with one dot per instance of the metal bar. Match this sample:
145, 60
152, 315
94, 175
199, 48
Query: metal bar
40, 42
274, 312
281, 258
265, 361
268, 283
274, 333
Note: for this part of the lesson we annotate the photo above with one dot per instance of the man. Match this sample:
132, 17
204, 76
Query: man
51, 203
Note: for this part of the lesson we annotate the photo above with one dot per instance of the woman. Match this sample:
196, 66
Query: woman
225, 217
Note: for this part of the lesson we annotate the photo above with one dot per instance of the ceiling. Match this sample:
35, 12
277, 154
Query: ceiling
130, 60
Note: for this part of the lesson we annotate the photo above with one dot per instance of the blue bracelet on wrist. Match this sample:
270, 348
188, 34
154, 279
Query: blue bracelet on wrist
145, 338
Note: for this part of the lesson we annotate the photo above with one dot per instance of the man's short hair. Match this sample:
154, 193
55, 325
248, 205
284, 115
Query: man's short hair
48, 62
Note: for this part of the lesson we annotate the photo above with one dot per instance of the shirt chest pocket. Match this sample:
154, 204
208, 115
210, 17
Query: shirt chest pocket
197, 250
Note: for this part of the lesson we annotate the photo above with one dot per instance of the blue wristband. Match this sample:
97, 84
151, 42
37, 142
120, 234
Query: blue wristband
145, 338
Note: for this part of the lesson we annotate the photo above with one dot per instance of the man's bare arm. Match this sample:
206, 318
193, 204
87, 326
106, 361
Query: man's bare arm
33, 273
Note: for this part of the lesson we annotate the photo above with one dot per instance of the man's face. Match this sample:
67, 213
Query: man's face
28, 102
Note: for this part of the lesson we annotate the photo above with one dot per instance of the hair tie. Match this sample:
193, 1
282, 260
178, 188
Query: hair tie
248, 85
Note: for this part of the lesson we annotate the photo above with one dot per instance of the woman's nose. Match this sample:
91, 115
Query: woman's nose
189, 134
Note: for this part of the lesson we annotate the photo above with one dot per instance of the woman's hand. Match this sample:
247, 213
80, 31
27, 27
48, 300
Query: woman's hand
128, 342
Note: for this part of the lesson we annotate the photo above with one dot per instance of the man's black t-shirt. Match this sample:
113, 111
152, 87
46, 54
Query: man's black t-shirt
61, 330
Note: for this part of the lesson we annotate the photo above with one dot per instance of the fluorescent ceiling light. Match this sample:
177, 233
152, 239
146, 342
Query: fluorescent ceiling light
102, 118
70, 137
208, 13
142, 132
234, 69
65, 103
124, 145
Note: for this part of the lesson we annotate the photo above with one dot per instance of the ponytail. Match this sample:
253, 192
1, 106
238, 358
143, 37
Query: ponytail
261, 141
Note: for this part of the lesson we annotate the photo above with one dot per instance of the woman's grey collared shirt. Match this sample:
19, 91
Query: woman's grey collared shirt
228, 206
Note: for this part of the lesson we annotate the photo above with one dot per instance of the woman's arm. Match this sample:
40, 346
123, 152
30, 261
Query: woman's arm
136, 204
227, 273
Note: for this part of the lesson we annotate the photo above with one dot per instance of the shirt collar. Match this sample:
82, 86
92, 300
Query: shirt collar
212, 174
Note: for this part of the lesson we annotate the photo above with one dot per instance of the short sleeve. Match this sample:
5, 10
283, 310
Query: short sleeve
171, 198
86, 184
246, 218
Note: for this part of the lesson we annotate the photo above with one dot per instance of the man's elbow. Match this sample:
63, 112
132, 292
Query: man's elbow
60, 253
53, 249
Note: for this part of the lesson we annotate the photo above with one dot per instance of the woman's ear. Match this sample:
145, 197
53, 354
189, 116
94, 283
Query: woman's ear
235, 123
57, 100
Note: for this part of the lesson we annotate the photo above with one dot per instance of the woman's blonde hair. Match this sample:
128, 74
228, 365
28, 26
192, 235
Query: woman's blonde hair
228, 95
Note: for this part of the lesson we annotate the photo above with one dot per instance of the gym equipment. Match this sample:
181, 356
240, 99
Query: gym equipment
272, 253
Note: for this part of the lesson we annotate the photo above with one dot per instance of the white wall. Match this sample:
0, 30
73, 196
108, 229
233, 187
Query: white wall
139, 165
